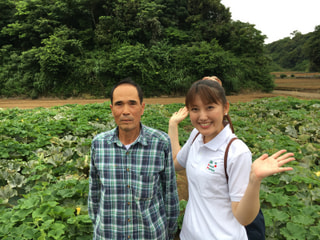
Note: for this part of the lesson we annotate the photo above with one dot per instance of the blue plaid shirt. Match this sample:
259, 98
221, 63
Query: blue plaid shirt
133, 193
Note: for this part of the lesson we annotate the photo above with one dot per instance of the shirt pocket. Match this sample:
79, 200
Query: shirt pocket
211, 184
144, 186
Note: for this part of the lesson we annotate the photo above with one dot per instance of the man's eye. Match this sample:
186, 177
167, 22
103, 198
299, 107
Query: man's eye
194, 109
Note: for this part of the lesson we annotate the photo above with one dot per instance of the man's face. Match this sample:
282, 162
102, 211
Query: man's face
127, 109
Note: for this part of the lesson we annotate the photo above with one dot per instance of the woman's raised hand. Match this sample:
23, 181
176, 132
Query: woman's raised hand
179, 116
265, 166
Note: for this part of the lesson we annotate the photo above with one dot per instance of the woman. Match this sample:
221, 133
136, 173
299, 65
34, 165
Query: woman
218, 209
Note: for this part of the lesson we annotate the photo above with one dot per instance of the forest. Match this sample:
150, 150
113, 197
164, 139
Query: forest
72, 48
301, 52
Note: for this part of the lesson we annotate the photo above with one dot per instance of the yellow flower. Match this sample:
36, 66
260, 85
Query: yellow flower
97, 119
318, 174
21, 120
78, 210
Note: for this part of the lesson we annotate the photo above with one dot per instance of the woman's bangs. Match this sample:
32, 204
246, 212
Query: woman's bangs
208, 95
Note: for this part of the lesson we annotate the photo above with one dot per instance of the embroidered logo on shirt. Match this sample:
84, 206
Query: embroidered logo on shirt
212, 166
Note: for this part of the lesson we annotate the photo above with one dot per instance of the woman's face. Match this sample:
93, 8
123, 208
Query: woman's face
207, 118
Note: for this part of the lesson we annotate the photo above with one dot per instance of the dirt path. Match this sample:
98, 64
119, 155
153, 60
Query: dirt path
46, 103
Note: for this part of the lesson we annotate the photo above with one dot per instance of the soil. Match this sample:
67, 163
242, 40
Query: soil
47, 102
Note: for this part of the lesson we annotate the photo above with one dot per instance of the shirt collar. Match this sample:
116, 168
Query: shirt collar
142, 138
220, 139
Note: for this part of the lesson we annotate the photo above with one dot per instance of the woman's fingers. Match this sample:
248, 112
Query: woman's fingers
277, 154
179, 116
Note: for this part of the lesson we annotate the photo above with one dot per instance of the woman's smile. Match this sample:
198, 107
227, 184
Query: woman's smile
205, 125
207, 117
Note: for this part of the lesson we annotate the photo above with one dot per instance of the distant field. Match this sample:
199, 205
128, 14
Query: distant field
297, 74
297, 81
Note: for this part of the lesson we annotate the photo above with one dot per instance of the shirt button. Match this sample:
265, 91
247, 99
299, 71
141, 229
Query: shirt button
128, 169
129, 237
128, 203
128, 186
127, 153
128, 219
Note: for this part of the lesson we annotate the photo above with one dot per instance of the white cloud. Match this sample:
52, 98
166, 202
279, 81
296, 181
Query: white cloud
277, 19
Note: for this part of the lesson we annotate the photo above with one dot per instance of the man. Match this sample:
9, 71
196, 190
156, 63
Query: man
133, 191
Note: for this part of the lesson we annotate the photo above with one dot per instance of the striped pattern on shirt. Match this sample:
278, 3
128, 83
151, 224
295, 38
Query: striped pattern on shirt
133, 193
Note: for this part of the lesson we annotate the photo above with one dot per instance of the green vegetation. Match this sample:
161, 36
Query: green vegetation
283, 75
45, 154
80, 47
299, 53
70, 48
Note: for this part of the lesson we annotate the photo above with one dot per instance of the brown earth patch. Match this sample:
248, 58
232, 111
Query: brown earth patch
47, 102
296, 84
299, 84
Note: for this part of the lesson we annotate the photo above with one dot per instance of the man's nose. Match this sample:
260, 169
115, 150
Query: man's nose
126, 109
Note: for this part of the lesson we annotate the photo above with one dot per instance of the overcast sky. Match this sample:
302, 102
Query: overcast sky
277, 19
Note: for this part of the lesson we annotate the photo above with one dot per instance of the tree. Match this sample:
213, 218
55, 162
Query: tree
295, 53
313, 50
58, 60
7, 10
244, 39
207, 19
72, 47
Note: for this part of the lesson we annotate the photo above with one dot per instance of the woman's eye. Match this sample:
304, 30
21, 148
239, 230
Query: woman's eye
194, 109
210, 107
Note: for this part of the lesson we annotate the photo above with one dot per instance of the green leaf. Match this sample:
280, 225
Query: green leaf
291, 188
21, 215
57, 231
315, 231
275, 215
84, 219
294, 231
277, 199
29, 233
303, 219
66, 193
47, 224
291, 131
67, 213
16, 180
5, 228
30, 202
315, 193
6, 193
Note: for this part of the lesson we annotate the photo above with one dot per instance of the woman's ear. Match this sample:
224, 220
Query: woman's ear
226, 108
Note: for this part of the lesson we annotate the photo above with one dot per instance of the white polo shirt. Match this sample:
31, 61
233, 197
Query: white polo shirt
208, 213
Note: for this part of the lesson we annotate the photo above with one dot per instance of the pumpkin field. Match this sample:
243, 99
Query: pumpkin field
45, 156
